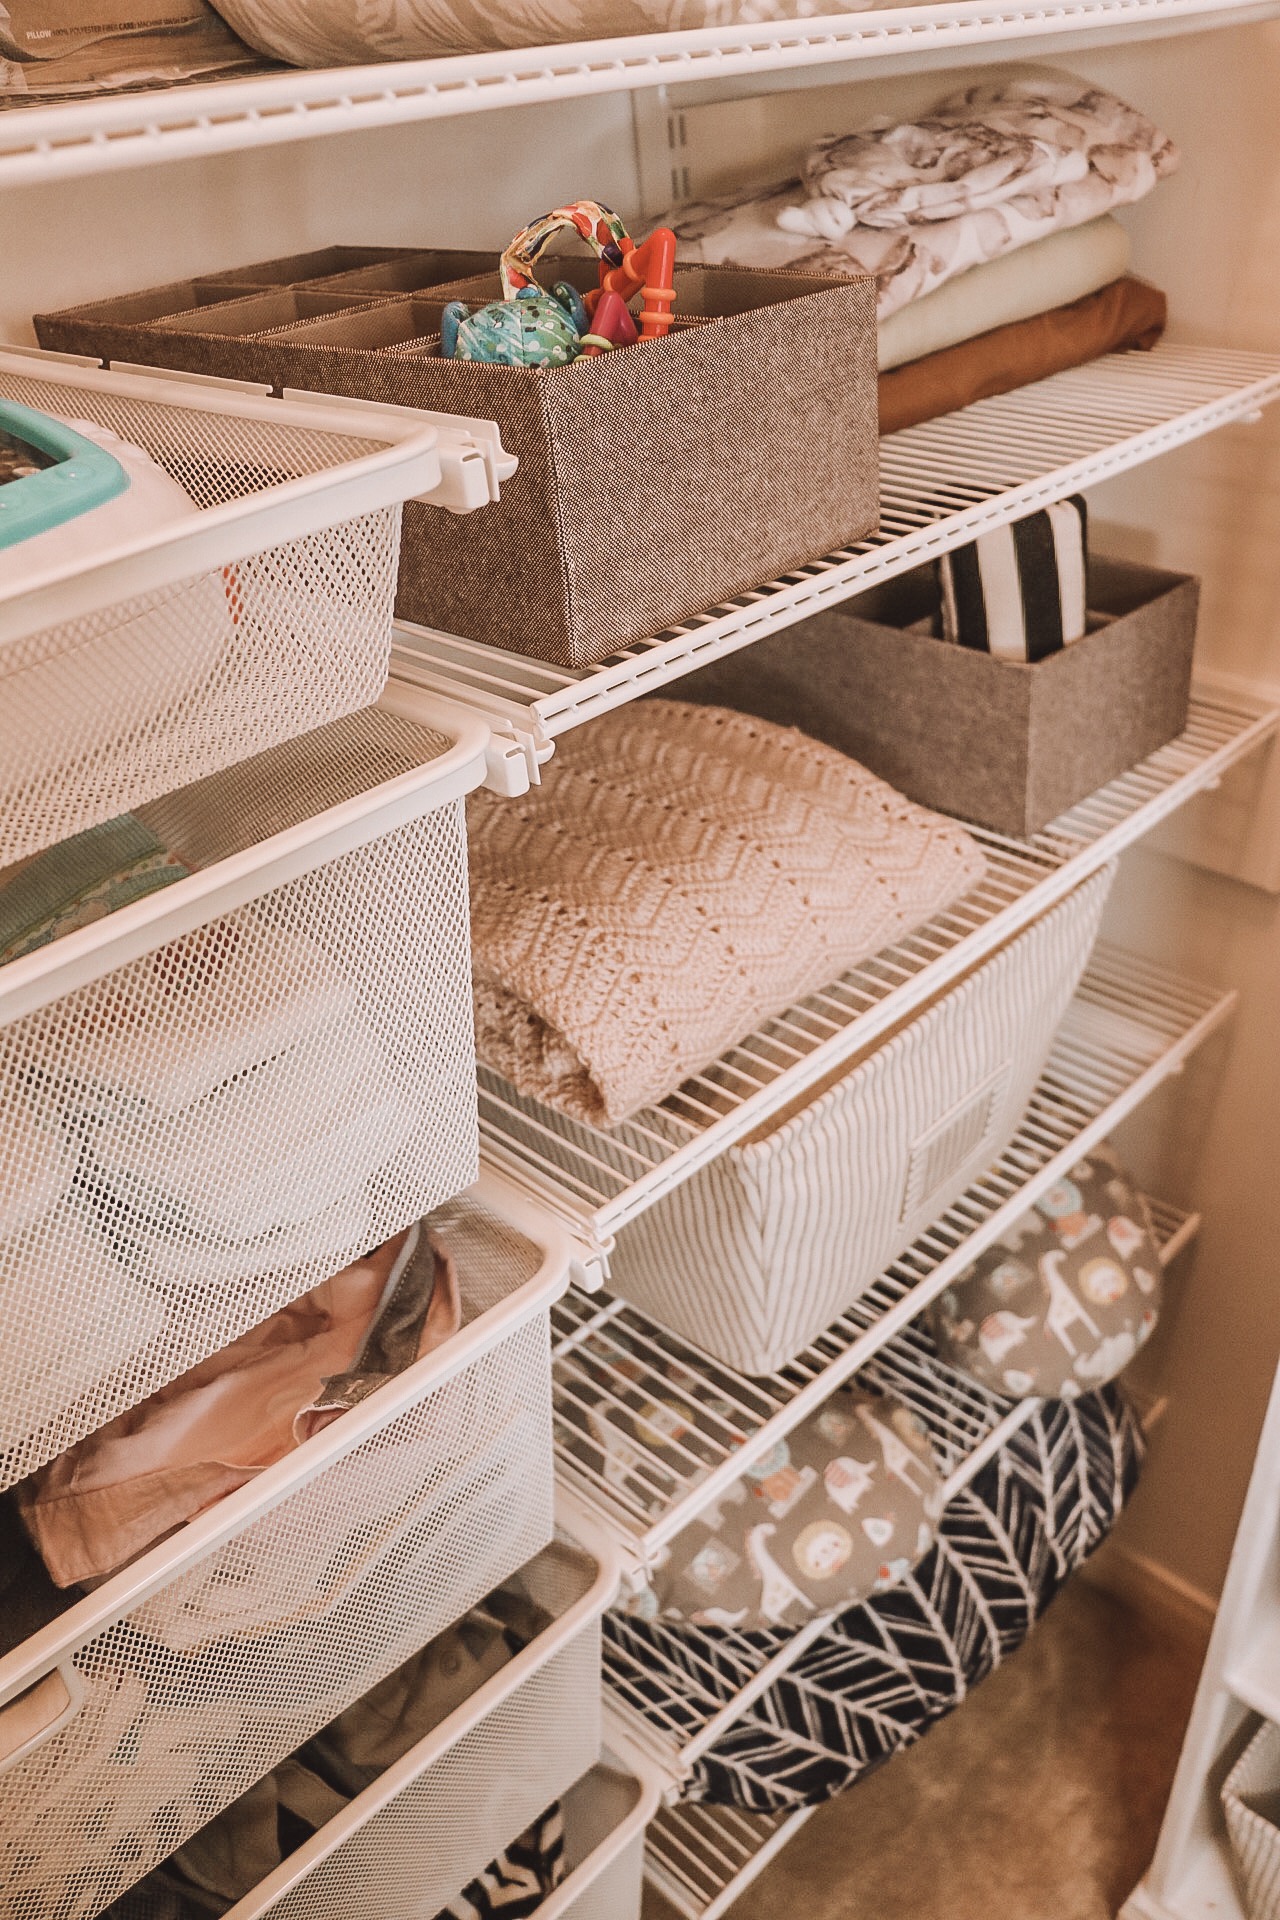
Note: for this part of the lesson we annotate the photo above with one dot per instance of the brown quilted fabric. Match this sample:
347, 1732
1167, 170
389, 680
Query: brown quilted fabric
683, 873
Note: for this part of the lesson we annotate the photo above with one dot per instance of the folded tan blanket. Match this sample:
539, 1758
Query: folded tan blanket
1128, 313
683, 873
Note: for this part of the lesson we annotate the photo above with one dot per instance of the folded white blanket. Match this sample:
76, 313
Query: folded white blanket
993, 168
1049, 273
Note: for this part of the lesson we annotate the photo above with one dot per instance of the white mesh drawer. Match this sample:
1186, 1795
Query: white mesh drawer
279, 1076
437, 1818
186, 634
605, 1816
759, 1251
157, 1701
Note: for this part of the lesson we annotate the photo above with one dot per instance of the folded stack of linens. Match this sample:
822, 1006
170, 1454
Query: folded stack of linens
688, 872
232, 1127
55, 1350
987, 225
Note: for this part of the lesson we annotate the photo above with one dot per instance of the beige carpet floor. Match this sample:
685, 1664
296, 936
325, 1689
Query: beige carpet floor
1040, 1799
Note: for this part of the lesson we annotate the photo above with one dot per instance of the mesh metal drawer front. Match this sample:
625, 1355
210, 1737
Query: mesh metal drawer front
208, 1684
215, 1127
616, 1891
444, 1827
137, 698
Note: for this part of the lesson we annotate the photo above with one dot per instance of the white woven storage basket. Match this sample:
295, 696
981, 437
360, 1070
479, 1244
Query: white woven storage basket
157, 1701
436, 1819
1251, 1802
263, 614
219, 1095
755, 1254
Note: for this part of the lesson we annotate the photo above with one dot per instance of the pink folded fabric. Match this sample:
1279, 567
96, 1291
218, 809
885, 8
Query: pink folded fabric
137, 1480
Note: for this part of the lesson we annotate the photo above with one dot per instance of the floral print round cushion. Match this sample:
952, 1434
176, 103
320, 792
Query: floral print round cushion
1066, 1298
843, 1507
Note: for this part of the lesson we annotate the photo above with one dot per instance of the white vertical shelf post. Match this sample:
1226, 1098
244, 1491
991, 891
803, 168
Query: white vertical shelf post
1191, 1876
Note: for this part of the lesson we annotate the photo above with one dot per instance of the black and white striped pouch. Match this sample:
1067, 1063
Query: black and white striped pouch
1019, 591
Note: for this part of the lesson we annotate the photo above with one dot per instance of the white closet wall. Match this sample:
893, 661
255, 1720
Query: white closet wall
1210, 238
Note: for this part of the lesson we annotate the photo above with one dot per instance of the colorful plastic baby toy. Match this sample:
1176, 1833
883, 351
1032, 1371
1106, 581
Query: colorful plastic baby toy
531, 328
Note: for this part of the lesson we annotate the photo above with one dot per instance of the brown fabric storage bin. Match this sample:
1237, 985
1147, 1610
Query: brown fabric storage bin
408, 273
1000, 743
294, 268
412, 322
654, 482
260, 310
117, 321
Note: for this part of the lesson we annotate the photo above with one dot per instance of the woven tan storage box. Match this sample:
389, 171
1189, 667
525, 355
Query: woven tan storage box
654, 482
756, 1254
1251, 1803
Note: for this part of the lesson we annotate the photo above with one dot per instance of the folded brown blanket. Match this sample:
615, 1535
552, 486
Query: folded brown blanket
683, 873
1128, 313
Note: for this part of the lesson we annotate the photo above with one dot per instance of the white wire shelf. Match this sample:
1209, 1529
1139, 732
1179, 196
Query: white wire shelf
613, 1365
598, 1180
1130, 1027
942, 483
155, 126
677, 1701
701, 1858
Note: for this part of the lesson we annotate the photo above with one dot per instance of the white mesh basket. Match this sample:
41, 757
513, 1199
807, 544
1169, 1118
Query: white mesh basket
137, 669
217, 1096
1251, 1803
755, 1254
605, 1816
436, 1819
158, 1700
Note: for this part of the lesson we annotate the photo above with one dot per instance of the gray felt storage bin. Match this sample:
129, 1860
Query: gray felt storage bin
1000, 743
654, 483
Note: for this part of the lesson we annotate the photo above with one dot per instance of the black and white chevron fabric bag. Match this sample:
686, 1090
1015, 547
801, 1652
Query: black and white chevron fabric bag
885, 1671
1019, 591
515, 1884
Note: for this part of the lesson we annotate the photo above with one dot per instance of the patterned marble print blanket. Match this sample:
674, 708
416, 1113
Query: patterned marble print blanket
992, 168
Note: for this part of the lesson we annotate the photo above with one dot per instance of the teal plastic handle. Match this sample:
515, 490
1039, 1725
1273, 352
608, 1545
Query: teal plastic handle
82, 475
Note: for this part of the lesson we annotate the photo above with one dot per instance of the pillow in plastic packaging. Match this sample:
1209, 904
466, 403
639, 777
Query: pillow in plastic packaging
326, 33
56, 48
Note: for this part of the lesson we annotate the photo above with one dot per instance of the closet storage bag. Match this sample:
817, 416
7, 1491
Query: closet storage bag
655, 482
1006, 744
227, 1089
759, 1251
158, 1699
434, 1819
170, 647
882, 1673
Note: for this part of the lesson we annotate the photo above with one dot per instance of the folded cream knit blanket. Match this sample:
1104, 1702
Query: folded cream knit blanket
683, 873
